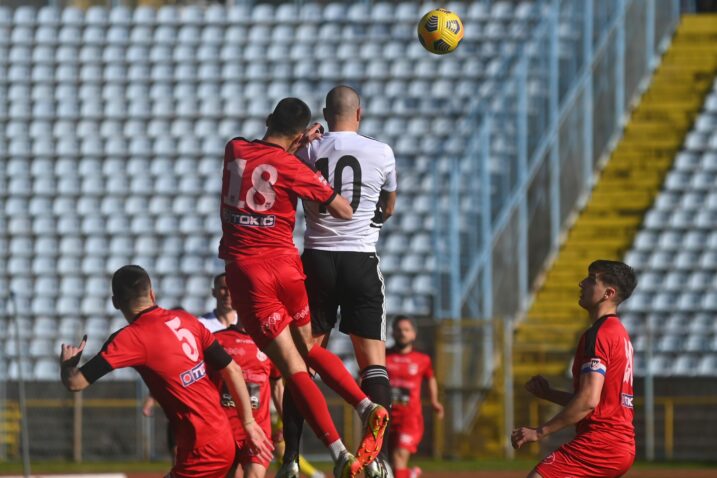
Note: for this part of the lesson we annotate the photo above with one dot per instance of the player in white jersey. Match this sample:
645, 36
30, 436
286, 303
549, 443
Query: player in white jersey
223, 314
340, 260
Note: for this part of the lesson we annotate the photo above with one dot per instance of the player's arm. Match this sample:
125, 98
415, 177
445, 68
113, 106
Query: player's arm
433, 392
70, 375
387, 200
277, 395
540, 387
580, 405
339, 207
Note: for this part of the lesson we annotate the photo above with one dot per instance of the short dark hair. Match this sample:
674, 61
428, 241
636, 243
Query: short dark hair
217, 277
615, 274
400, 318
291, 116
130, 283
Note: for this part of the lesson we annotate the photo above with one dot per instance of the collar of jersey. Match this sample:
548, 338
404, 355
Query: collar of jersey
266, 143
142, 312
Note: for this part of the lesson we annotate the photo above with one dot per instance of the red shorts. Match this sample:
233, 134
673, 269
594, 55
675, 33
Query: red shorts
244, 454
585, 456
212, 460
406, 432
268, 294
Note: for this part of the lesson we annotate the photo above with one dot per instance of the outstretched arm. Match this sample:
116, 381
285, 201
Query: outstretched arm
540, 387
70, 375
582, 404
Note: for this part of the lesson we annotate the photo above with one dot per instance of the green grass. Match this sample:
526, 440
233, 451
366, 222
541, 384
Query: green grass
425, 464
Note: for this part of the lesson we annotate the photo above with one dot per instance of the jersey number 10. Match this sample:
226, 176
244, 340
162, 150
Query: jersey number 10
322, 164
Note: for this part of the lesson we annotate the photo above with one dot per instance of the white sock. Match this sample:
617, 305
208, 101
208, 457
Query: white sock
336, 449
363, 407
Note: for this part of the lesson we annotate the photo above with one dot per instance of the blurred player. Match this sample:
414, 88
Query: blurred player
169, 350
340, 259
263, 382
223, 314
261, 183
601, 404
407, 369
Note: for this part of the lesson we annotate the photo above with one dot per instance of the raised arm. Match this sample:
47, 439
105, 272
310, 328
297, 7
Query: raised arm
70, 375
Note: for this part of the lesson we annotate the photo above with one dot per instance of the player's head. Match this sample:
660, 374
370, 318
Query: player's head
404, 331
289, 119
607, 281
220, 291
131, 289
343, 109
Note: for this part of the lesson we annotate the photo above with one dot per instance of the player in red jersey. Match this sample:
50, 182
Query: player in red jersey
407, 368
601, 405
261, 183
263, 382
170, 350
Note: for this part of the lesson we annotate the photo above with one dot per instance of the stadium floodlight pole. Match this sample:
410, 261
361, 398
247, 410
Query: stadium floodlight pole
25, 434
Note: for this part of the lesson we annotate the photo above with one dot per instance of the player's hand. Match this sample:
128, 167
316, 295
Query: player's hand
523, 435
438, 409
538, 386
70, 355
314, 132
148, 407
259, 443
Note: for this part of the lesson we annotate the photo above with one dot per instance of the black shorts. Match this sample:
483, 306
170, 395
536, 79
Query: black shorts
351, 281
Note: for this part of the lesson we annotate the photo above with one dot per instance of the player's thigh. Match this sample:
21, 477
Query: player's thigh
284, 353
400, 457
320, 270
362, 295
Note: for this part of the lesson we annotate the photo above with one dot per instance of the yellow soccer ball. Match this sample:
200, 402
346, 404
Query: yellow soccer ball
440, 31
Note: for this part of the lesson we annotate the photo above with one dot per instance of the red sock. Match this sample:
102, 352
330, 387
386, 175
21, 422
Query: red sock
312, 405
334, 374
401, 473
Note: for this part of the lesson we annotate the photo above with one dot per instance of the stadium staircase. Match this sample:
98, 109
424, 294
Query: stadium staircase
544, 341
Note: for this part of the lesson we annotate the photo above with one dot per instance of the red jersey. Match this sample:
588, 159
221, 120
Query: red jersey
606, 348
260, 186
258, 370
406, 373
168, 349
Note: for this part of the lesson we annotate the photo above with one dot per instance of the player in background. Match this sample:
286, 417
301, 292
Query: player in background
261, 183
223, 314
408, 368
340, 260
601, 403
170, 350
263, 382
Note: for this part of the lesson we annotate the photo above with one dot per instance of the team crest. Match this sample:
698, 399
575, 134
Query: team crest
261, 356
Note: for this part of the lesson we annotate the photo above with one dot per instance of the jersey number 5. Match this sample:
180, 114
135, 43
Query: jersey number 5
322, 164
189, 343
263, 179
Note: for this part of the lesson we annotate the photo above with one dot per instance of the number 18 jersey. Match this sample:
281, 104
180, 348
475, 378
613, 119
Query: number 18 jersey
260, 186
358, 167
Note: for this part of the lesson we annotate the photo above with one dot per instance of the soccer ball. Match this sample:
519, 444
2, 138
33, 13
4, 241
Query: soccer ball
440, 31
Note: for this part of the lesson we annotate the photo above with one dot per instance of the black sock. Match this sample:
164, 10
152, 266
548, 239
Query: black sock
375, 384
293, 425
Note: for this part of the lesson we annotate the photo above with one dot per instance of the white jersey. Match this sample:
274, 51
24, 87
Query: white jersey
358, 168
211, 322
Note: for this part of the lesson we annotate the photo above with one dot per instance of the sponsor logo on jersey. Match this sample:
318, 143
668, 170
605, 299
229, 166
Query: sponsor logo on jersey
194, 374
261, 356
627, 400
252, 220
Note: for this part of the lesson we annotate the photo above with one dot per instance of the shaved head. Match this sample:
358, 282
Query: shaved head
342, 101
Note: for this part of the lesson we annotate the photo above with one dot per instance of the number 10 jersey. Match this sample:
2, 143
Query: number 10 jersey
358, 168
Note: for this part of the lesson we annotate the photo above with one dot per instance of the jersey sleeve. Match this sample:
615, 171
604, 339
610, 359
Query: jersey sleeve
428, 372
124, 349
390, 184
596, 353
311, 185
